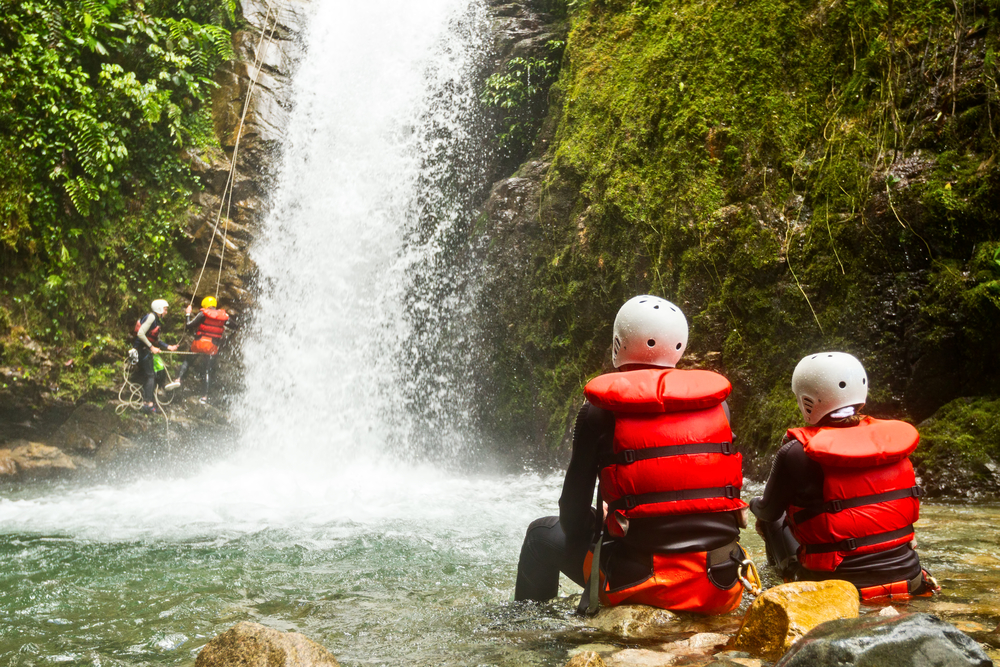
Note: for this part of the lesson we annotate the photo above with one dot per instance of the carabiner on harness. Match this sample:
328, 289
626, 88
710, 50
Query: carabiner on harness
749, 577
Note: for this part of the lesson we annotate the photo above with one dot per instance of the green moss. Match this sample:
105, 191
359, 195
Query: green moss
798, 176
960, 447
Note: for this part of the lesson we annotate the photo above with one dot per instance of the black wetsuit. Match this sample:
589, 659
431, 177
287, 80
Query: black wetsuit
554, 544
796, 479
143, 342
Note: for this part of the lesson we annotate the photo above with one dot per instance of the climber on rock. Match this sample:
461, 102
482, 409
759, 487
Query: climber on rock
657, 440
842, 497
210, 325
147, 343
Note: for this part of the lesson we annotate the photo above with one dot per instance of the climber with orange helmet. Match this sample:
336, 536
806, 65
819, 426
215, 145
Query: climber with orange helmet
147, 343
842, 497
210, 325
657, 442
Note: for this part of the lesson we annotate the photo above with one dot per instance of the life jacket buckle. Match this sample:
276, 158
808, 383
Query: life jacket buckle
852, 544
917, 491
836, 506
727, 448
731, 492
629, 456
629, 502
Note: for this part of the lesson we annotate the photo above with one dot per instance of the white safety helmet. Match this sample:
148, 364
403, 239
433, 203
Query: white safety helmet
649, 330
159, 306
827, 382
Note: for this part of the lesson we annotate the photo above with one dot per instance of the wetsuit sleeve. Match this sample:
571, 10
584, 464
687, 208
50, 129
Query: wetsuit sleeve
195, 321
795, 479
592, 434
147, 322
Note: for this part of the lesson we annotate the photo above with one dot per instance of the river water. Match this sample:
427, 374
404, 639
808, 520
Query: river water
356, 506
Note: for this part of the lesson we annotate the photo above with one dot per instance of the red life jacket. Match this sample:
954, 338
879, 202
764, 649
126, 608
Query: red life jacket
673, 449
154, 331
870, 494
214, 324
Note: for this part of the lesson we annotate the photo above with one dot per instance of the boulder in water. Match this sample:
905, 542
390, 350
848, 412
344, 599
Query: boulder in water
783, 614
253, 645
630, 621
907, 640
586, 659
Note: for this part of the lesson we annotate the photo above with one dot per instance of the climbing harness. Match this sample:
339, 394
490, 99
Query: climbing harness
227, 191
749, 576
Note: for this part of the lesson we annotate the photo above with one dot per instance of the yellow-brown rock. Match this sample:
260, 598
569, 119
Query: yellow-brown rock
782, 614
254, 645
586, 659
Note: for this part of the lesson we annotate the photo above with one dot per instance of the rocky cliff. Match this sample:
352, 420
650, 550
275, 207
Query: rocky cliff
797, 175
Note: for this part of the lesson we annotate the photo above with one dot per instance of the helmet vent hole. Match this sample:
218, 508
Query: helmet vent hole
651, 342
656, 307
864, 380
617, 345
842, 384
678, 346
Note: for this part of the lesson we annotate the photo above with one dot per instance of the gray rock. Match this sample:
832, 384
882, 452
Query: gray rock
907, 640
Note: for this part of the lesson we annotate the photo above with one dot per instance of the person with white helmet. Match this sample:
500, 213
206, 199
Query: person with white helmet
841, 498
210, 324
657, 442
147, 343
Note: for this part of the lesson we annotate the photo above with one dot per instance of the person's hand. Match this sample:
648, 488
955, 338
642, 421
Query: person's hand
187, 311
172, 348
154, 350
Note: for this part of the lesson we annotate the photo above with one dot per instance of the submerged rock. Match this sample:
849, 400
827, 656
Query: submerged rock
586, 659
785, 613
902, 641
254, 645
633, 621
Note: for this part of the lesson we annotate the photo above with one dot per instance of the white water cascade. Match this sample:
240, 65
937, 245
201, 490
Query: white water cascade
338, 512
354, 354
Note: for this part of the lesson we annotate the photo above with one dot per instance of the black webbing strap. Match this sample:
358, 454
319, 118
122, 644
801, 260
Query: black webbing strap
628, 502
633, 455
834, 506
853, 543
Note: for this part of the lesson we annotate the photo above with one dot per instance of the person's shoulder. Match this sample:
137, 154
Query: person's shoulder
591, 416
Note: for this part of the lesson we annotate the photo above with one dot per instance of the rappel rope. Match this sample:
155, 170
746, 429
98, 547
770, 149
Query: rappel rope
134, 391
227, 192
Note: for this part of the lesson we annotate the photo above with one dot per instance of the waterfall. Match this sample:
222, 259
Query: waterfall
360, 283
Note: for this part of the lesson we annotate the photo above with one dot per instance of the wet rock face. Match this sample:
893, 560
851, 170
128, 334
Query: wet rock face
254, 140
905, 640
33, 460
254, 645
785, 613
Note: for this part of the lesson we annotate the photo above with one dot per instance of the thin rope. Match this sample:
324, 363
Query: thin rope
258, 66
227, 190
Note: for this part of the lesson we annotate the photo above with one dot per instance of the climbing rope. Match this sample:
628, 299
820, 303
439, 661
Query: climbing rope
130, 393
227, 192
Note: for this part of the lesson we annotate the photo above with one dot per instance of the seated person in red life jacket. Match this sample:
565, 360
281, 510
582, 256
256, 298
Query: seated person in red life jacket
210, 324
842, 498
657, 440
147, 343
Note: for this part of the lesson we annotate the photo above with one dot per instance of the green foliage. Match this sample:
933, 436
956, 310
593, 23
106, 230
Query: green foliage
96, 99
519, 92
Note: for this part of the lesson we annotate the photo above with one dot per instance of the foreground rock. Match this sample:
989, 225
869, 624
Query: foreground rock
785, 613
902, 641
254, 645
633, 621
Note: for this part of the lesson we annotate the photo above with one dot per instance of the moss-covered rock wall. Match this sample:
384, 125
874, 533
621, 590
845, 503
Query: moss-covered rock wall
798, 175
